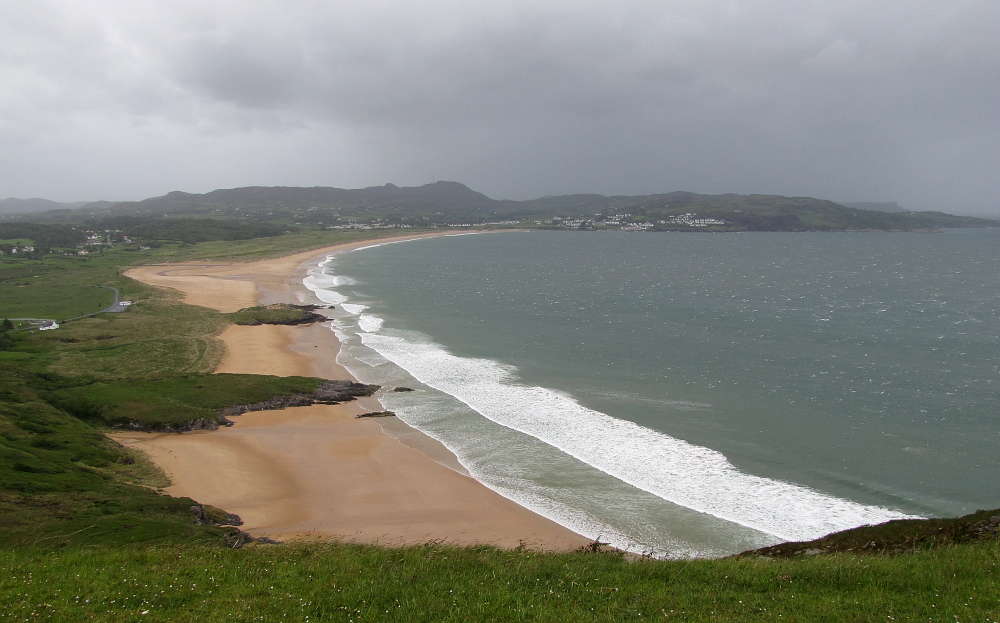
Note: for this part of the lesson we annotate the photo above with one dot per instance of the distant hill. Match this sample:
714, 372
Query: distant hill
450, 203
440, 195
26, 206
741, 213
886, 206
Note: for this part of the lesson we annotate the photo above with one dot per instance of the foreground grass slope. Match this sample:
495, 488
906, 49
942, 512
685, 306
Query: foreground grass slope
435, 583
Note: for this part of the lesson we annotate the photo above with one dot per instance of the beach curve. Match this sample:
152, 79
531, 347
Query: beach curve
317, 473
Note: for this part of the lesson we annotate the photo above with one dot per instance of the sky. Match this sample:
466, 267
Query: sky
895, 100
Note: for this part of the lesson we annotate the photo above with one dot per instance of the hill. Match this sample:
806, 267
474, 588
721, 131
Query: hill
452, 203
884, 206
437, 196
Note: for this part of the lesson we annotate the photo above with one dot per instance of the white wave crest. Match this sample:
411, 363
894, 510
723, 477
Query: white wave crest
693, 476
369, 323
353, 308
320, 284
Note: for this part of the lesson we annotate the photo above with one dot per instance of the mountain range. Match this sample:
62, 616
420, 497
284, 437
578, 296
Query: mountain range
451, 202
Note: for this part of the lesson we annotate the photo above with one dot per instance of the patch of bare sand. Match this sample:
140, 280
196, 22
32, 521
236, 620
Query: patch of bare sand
228, 287
317, 472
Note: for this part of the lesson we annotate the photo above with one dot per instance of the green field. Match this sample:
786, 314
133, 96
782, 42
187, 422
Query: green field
435, 583
57, 288
86, 532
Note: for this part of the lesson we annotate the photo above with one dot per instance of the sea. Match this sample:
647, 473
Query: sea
691, 395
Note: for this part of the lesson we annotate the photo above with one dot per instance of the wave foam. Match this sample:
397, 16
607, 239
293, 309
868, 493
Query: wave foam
321, 283
353, 308
369, 323
692, 476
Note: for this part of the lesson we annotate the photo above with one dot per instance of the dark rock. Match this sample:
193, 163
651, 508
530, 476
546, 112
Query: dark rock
330, 393
239, 538
211, 516
183, 427
377, 414
402, 389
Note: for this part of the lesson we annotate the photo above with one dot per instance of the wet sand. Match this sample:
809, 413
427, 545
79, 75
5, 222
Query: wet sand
318, 472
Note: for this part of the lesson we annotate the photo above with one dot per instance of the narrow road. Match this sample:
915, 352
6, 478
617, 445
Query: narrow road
37, 322
114, 308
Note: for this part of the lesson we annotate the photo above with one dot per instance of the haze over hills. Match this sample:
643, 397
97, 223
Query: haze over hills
25, 206
452, 203
878, 206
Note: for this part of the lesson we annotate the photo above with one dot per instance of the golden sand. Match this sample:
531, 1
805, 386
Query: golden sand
317, 472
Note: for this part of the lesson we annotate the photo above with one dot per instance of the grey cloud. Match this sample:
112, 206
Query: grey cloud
847, 100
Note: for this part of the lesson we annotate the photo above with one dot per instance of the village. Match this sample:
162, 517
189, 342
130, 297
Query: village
625, 221
96, 242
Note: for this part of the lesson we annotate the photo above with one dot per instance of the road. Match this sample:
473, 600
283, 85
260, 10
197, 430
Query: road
115, 307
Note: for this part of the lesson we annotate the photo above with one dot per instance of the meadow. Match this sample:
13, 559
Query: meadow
353, 583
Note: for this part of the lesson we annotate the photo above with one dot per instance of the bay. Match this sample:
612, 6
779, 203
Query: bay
807, 381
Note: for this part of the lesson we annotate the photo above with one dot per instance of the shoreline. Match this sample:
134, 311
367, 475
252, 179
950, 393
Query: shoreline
317, 473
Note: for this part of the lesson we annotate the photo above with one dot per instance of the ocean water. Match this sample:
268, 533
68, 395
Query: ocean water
691, 395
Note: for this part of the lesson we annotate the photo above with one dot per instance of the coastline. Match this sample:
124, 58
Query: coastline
317, 473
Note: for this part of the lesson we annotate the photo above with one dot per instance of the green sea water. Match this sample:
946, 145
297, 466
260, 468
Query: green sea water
693, 394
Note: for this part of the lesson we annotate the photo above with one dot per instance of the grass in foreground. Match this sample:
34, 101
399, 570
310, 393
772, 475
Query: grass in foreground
434, 583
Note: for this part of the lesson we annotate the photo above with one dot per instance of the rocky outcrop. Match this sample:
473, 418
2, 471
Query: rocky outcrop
377, 414
272, 314
183, 427
330, 393
238, 538
211, 516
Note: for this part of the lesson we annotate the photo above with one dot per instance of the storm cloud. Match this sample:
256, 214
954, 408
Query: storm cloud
844, 100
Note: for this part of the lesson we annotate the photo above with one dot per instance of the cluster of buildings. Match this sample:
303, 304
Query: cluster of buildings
624, 221
691, 220
371, 226
15, 249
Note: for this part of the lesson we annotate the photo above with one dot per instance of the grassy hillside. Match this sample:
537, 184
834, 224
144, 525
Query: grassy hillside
62, 483
436, 583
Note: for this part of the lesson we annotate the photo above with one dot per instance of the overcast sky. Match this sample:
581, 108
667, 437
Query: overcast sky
847, 100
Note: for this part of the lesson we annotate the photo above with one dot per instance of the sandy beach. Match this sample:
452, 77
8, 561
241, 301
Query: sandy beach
318, 472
